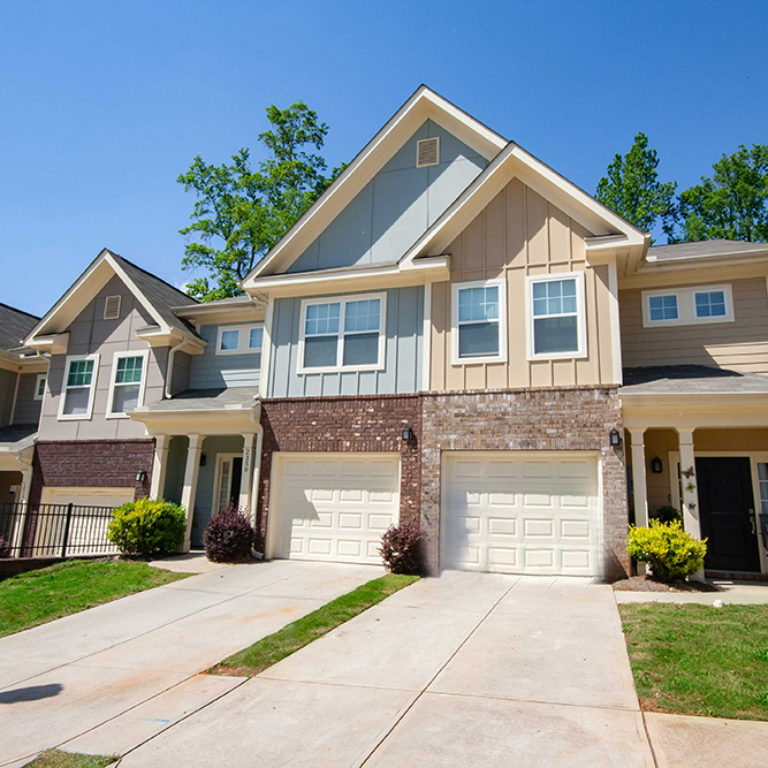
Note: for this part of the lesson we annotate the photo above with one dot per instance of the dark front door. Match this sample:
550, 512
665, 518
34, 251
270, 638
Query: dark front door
727, 514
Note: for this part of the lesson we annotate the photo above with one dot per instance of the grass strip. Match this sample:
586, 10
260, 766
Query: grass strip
53, 758
699, 660
273, 648
34, 597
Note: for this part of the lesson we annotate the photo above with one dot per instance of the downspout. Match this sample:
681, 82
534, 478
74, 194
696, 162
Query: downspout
167, 394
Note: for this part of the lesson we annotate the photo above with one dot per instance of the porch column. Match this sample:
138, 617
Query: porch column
190, 484
17, 540
690, 491
159, 467
244, 502
639, 481
255, 475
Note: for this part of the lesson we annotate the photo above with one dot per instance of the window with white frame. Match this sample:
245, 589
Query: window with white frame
661, 308
709, 303
479, 321
127, 388
556, 316
40, 386
343, 334
239, 339
688, 305
79, 384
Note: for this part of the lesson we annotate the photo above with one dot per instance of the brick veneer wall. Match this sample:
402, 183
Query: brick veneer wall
350, 423
557, 419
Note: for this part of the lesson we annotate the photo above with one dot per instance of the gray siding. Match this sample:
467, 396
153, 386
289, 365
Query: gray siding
403, 352
396, 206
174, 473
7, 388
180, 376
90, 333
212, 371
27, 408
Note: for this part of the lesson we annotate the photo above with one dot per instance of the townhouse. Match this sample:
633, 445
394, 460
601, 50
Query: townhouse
454, 334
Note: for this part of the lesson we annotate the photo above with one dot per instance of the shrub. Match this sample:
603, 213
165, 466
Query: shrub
400, 548
147, 527
667, 548
228, 536
666, 514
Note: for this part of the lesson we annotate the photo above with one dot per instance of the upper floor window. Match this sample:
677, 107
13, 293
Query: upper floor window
688, 306
127, 387
662, 307
239, 339
344, 334
79, 384
709, 303
556, 319
40, 386
479, 321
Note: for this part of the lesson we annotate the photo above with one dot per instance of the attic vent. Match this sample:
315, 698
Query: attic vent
427, 152
112, 308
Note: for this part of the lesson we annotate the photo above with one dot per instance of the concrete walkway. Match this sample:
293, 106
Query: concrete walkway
465, 669
115, 675
730, 592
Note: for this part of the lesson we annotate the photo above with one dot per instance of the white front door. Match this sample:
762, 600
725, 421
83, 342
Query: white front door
520, 513
332, 506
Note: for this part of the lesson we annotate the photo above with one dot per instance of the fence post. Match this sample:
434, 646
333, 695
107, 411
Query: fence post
66, 530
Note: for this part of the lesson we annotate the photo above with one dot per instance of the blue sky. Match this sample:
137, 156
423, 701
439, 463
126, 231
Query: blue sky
103, 104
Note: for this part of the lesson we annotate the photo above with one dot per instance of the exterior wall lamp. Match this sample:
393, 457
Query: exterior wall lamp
141, 475
615, 438
407, 435
656, 465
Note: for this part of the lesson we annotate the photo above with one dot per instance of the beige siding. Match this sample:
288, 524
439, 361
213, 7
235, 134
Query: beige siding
519, 234
740, 346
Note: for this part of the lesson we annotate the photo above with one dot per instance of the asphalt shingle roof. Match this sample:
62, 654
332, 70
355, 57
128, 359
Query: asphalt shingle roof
702, 248
14, 326
232, 398
690, 379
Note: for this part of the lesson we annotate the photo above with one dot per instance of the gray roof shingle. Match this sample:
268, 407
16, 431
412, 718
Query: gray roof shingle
690, 379
14, 326
704, 248
233, 398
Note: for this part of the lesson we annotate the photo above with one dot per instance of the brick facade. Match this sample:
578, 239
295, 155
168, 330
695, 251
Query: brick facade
354, 423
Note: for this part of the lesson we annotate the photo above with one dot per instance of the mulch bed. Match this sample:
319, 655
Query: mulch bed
646, 584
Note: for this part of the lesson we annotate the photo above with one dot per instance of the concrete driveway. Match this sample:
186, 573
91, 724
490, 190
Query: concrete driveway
466, 669
136, 660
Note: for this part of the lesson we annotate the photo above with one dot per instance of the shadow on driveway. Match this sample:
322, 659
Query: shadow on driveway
31, 693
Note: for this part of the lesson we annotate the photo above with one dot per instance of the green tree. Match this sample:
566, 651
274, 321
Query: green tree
733, 203
632, 188
241, 212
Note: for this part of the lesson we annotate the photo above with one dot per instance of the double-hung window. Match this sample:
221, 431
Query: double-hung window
239, 339
556, 316
127, 388
343, 334
40, 386
79, 384
479, 321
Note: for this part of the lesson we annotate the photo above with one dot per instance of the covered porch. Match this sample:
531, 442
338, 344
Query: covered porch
207, 449
697, 440
17, 447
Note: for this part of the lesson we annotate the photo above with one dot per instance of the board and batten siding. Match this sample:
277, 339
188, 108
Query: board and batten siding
402, 352
741, 345
27, 408
212, 371
521, 234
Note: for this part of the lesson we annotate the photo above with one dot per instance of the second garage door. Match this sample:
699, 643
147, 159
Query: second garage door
327, 507
520, 513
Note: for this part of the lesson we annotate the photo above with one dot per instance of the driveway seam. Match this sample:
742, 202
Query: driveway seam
495, 697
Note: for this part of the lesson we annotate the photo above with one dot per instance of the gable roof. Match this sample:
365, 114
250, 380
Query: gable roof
14, 326
422, 105
154, 294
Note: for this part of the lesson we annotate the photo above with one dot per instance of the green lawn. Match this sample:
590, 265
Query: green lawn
700, 660
52, 758
292, 637
38, 596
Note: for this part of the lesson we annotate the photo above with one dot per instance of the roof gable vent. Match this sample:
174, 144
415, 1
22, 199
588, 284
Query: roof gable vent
112, 308
427, 152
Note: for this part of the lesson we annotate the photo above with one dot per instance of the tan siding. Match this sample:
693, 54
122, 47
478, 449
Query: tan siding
741, 345
519, 234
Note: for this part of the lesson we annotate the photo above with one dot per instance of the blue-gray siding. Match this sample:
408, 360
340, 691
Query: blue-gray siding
27, 408
7, 388
402, 362
211, 371
396, 206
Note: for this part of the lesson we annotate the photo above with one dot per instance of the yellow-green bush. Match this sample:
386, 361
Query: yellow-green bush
667, 548
147, 527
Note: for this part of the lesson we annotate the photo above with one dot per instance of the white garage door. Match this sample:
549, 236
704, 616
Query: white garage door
518, 513
88, 497
333, 507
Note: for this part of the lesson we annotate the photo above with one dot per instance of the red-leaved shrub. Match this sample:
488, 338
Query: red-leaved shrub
400, 548
228, 536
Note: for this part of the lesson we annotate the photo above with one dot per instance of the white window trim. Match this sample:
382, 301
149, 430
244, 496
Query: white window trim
686, 305
76, 416
40, 377
117, 356
581, 316
501, 284
343, 301
244, 333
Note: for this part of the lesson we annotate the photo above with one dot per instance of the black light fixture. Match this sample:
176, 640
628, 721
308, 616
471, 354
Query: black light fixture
203, 459
141, 475
656, 465
615, 438
407, 435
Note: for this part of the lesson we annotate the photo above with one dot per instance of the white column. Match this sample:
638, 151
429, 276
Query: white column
639, 482
159, 466
255, 477
190, 484
689, 484
18, 530
244, 502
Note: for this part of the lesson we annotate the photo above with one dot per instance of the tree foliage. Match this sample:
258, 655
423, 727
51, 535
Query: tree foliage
241, 212
632, 188
733, 202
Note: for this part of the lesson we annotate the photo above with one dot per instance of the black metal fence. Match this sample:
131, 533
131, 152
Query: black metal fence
54, 530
